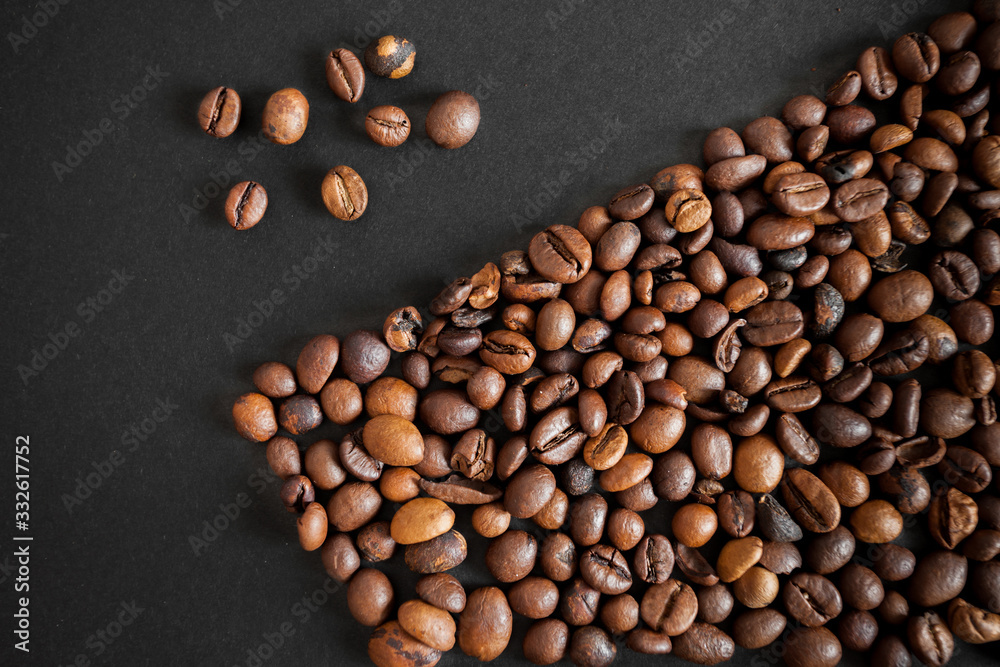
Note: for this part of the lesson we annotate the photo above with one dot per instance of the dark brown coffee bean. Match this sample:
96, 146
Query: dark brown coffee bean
694, 566
830, 551
669, 607
545, 641
929, 639
811, 599
605, 568
632, 202
560, 253
810, 501
274, 379
245, 205
792, 394
877, 74
774, 521
654, 559
219, 112
440, 554
859, 199
773, 323
838, 425
916, 57
345, 75
704, 644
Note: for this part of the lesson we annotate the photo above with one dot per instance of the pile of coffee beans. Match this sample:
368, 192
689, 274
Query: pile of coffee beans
751, 404
451, 122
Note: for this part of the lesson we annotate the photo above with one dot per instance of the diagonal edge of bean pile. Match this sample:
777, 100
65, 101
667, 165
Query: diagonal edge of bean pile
790, 349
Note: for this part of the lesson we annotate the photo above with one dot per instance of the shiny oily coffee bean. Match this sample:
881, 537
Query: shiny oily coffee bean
774, 521
545, 642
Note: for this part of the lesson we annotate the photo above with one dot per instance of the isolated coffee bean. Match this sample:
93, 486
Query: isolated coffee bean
286, 115
219, 112
245, 205
387, 125
344, 193
453, 119
345, 75
390, 56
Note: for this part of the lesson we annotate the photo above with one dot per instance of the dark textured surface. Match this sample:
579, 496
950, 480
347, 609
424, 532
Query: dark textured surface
578, 99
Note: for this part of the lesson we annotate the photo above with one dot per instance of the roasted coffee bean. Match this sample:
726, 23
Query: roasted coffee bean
340, 558
952, 517
286, 115
579, 603
830, 551
300, 414
605, 568
703, 644
388, 126
773, 323
534, 597
344, 193
453, 119
390, 57
893, 562
900, 352
437, 555
669, 607
370, 597
654, 559
694, 566
631, 202
757, 628
758, 464
219, 112
245, 205
774, 521
810, 501
345, 75
811, 599
545, 642
781, 557
560, 253
929, 639
485, 625
254, 418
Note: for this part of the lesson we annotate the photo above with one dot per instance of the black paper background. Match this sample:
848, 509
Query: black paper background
597, 95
